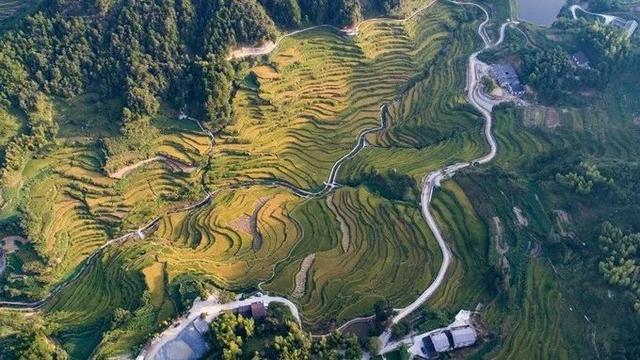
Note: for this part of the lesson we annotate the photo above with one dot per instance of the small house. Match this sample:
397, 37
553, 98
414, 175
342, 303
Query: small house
440, 341
507, 77
258, 311
463, 337
580, 60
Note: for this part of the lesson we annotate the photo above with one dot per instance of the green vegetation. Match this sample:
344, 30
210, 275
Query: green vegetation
277, 336
619, 267
93, 147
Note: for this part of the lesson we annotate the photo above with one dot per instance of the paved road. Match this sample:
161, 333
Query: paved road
433, 179
607, 18
212, 308
268, 47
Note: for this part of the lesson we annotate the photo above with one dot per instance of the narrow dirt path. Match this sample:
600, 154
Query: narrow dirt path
270, 46
175, 164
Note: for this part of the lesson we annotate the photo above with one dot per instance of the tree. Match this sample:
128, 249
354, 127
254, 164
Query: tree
228, 334
400, 329
383, 310
373, 345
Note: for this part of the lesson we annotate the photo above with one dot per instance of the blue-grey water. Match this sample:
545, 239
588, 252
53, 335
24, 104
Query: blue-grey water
539, 12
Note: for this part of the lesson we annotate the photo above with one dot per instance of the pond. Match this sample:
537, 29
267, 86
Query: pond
539, 12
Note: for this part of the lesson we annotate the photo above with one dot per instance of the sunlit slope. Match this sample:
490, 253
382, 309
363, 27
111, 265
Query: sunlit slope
301, 110
71, 207
366, 248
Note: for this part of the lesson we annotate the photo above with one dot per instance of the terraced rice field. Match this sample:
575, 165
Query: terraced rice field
469, 239
297, 113
539, 330
85, 310
221, 239
391, 254
301, 110
10, 7
72, 207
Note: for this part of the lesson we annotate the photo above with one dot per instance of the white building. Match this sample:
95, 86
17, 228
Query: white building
441, 342
463, 337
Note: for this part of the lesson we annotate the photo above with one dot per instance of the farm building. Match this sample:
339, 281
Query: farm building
629, 27
447, 340
256, 310
428, 349
507, 77
463, 337
580, 60
441, 341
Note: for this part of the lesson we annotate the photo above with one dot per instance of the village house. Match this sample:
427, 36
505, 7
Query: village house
447, 340
580, 60
507, 77
628, 27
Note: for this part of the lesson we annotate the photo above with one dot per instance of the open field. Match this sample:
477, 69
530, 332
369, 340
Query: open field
319, 89
85, 311
394, 259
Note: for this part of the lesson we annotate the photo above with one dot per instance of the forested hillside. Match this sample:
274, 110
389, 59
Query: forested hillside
142, 52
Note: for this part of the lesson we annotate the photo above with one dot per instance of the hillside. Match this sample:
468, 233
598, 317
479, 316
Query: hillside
143, 166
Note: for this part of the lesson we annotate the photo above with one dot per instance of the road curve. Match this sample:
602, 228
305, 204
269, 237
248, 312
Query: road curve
607, 18
268, 47
433, 179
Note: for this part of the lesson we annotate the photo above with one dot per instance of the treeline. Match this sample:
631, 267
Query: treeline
296, 13
552, 74
278, 336
621, 264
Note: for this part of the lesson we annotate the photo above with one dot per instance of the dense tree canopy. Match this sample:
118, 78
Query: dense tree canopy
622, 257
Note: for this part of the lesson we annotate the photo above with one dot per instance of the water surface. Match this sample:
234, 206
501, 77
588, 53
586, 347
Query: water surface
539, 12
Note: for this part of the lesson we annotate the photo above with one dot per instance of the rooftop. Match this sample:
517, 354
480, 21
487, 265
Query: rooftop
440, 342
464, 336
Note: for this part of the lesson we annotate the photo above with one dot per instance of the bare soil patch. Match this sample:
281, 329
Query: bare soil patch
10, 243
552, 118
521, 219
301, 276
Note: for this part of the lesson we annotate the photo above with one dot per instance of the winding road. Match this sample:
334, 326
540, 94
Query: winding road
268, 47
429, 183
607, 18
433, 179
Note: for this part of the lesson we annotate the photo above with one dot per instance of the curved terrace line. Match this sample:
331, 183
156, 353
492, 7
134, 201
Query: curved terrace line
270, 46
430, 182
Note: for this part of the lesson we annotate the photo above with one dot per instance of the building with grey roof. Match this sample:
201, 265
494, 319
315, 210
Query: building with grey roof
440, 342
449, 339
628, 27
190, 344
463, 337
507, 77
